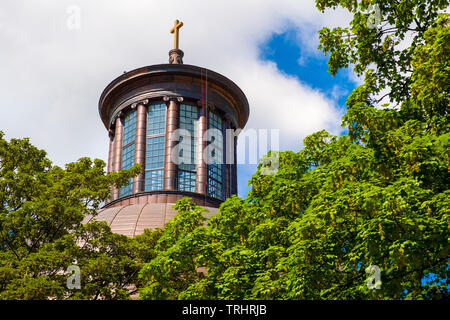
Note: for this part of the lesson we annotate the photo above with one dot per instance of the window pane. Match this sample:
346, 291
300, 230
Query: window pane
186, 180
129, 128
215, 177
154, 180
156, 119
214, 189
155, 153
127, 163
188, 121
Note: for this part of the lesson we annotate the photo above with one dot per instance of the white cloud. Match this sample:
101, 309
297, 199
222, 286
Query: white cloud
52, 77
282, 102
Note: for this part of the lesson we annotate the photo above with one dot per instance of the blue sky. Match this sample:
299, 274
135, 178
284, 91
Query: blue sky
285, 50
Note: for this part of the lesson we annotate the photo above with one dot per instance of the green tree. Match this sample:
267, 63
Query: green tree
175, 264
41, 232
378, 195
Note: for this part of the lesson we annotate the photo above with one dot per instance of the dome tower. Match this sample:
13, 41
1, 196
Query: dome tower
173, 120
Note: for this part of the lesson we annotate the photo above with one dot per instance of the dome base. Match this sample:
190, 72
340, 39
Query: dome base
131, 220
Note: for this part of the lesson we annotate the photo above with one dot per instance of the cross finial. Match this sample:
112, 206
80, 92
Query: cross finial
175, 30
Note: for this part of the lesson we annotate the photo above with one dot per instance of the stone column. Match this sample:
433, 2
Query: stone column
234, 189
109, 168
117, 155
111, 151
172, 116
140, 144
226, 166
201, 177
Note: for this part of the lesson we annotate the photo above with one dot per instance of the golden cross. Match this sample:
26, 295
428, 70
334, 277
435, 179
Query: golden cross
175, 30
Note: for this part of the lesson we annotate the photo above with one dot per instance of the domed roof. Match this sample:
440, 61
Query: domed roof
184, 80
131, 220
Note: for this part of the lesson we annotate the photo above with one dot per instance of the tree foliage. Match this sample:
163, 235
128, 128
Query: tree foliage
378, 195
41, 234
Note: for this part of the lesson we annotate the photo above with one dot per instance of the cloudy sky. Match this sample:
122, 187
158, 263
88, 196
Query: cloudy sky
53, 74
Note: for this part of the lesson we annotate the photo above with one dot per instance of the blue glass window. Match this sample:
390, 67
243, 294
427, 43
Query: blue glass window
155, 153
187, 171
215, 170
129, 136
154, 179
214, 121
156, 119
214, 188
154, 157
127, 163
129, 129
186, 180
188, 120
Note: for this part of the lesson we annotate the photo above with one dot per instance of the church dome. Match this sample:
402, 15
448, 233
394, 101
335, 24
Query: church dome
180, 124
131, 220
